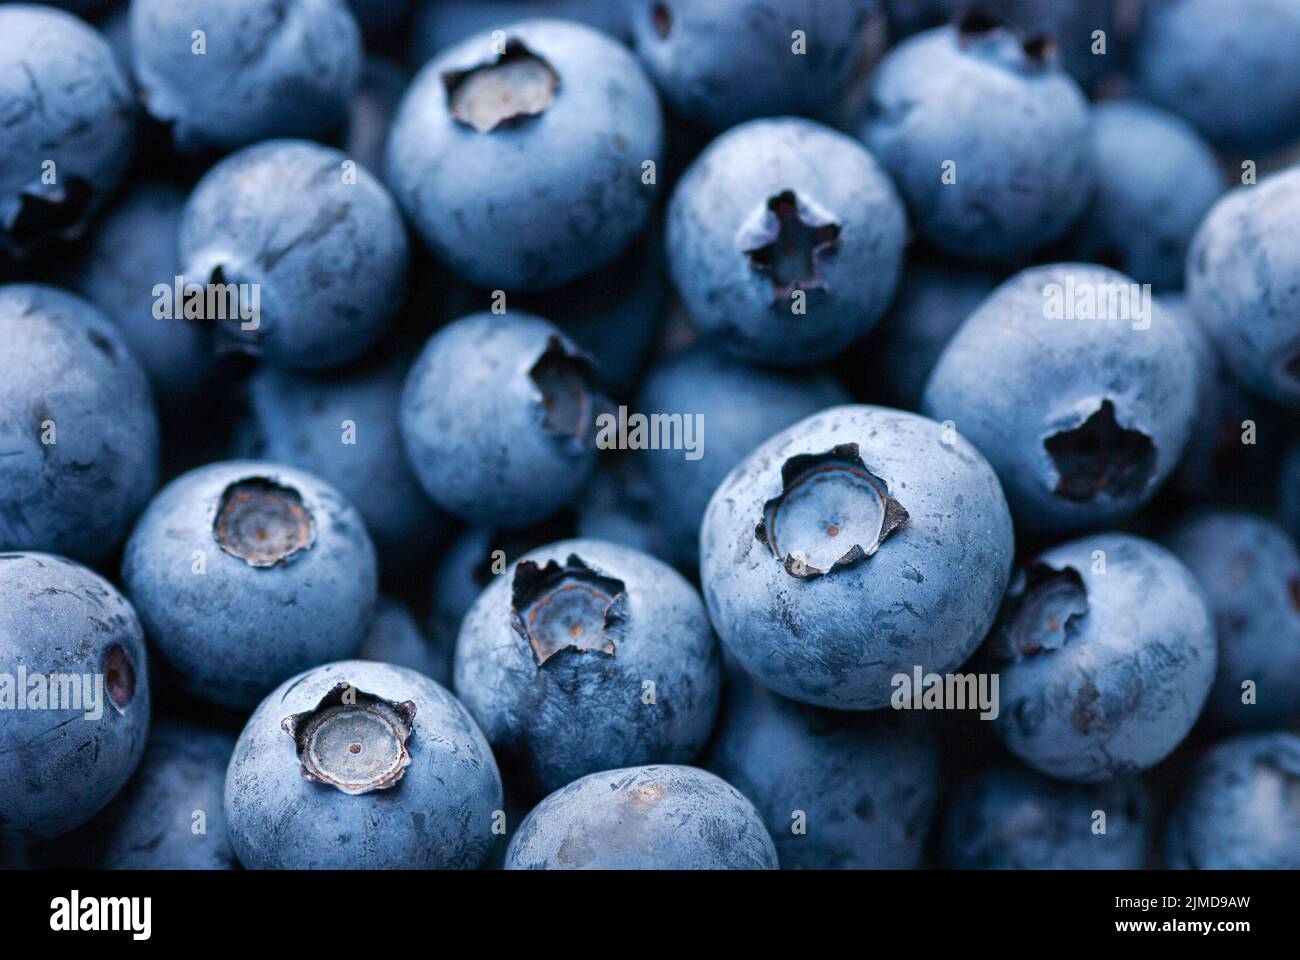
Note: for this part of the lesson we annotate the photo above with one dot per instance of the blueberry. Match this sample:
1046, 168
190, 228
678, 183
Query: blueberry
739, 406
316, 238
394, 637
78, 433
659, 818
357, 765
169, 816
1156, 179
133, 250
587, 656
720, 63
1249, 571
986, 138
1235, 78
1010, 818
933, 300
1243, 283
1105, 653
266, 68
499, 418
518, 154
344, 429
785, 240
835, 789
68, 121
851, 547
74, 686
1079, 389
1239, 811
247, 572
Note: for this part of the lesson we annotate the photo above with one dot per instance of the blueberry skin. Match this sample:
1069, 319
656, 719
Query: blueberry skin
133, 249
272, 68
394, 637
583, 708
1010, 818
66, 375
933, 299
1249, 572
1236, 79
540, 199
302, 420
58, 768
65, 101
234, 631
643, 818
1239, 810
1083, 418
721, 220
1156, 179
982, 102
1243, 284
741, 406
439, 815
866, 783
329, 256
926, 597
151, 824
721, 63
492, 436
1102, 673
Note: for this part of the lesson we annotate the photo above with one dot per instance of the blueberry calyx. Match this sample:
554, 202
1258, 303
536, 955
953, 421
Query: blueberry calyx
353, 740
119, 676
263, 522
34, 219
1042, 613
505, 92
569, 607
662, 20
823, 496
1100, 458
977, 25
1294, 586
788, 240
565, 381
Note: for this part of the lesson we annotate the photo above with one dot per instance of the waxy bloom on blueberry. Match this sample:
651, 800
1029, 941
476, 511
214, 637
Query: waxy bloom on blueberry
246, 572
74, 695
643, 818
499, 418
851, 547
785, 240
587, 656
361, 766
519, 154
1106, 655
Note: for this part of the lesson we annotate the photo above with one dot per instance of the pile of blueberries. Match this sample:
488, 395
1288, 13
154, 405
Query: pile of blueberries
650, 433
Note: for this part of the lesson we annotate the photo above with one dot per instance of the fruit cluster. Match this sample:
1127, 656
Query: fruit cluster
650, 433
